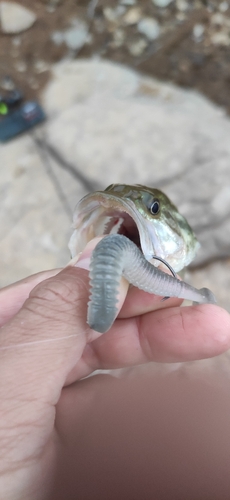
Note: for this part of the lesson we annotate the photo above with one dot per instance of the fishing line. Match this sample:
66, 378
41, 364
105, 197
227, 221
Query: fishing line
35, 342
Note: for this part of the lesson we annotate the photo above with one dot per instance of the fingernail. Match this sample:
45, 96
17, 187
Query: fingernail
80, 260
83, 258
83, 262
74, 260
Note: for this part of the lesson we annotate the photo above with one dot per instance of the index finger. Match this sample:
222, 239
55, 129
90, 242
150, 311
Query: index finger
138, 302
175, 334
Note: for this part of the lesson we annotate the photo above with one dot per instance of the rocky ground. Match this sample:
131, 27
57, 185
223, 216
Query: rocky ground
184, 41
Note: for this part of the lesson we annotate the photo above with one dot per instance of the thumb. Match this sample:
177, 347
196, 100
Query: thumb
44, 341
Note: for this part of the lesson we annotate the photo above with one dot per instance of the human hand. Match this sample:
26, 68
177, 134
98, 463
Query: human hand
45, 345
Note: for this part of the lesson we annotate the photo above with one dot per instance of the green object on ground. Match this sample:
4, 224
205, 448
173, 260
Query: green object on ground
3, 108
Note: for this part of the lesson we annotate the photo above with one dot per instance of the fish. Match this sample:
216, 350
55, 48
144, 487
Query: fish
141, 227
143, 214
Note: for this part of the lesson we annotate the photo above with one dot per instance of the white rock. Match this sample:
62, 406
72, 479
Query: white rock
50, 9
33, 83
76, 36
217, 19
137, 48
118, 37
82, 78
57, 37
182, 5
20, 66
14, 18
180, 16
16, 41
7, 83
220, 38
198, 31
113, 15
133, 16
162, 3
149, 27
41, 66
223, 6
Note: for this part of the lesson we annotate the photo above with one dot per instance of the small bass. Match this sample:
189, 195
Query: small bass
140, 225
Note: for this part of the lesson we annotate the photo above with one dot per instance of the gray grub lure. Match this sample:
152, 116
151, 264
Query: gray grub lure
138, 223
115, 256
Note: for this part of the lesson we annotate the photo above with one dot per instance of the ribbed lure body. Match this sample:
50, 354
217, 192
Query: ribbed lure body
116, 255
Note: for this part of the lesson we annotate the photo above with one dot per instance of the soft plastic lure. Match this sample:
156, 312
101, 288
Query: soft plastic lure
115, 256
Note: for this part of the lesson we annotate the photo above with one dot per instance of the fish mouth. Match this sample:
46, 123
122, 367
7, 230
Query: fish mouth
99, 215
119, 222
102, 213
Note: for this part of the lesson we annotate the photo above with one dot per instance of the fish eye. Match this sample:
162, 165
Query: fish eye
154, 207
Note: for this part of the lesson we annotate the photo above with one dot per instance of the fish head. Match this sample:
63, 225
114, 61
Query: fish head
144, 215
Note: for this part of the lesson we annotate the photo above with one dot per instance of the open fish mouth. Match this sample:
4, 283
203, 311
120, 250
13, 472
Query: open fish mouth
119, 222
129, 211
100, 214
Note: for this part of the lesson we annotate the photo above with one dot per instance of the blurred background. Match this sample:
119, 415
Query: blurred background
133, 91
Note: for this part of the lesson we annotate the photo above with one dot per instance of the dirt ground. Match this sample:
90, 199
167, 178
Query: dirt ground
192, 48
